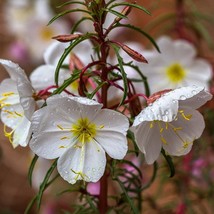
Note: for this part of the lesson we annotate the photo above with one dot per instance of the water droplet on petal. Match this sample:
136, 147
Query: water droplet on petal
182, 97
194, 92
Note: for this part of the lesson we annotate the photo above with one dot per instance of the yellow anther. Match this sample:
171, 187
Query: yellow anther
163, 140
60, 127
76, 146
18, 114
101, 127
167, 125
9, 134
81, 174
64, 138
186, 117
161, 130
62, 147
151, 125
13, 114
7, 94
177, 129
185, 144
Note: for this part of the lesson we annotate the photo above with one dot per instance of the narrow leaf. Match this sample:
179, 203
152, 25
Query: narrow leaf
66, 12
31, 168
44, 183
132, 5
140, 31
134, 209
169, 162
64, 55
123, 73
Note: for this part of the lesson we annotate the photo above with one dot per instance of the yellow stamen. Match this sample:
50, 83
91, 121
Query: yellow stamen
163, 140
186, 117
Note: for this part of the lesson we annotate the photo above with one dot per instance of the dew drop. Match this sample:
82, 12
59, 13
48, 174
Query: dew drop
182, 97
194, 92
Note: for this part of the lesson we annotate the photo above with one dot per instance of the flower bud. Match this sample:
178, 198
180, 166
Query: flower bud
126, 10
157, 95
133, 54
66, 38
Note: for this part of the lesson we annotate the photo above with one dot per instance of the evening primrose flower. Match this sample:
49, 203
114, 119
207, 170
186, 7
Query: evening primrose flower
78, 133
176, 66
23, 15
170, 122
17, 104
43, 76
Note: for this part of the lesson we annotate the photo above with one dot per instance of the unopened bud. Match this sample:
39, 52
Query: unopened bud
75, 62
157, 95
126, 10
66, 38
134, 54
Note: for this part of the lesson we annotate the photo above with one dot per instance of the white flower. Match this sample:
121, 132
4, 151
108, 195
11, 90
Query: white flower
176, 66
17, 104
171, 122
79, 133
43, 76
28, 21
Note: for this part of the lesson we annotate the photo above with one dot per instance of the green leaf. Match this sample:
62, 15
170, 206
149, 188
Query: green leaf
66, 83
123, 73
130, 135
128, 198
131, 5
31, 168
169, 162
44, 184
144, 78
140, 31
66, 12
71, 2
91, 203
30, 205
91, 95
76, 25
120, 15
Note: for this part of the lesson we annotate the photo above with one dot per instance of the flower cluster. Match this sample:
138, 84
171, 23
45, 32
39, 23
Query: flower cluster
83, 106
73, 128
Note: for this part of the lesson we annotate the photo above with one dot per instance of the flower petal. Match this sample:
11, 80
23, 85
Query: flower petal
54, 52
182, 132
12, 115
194, 96
43, 77
51, 145
113, 142
22, 133
13, 69
8, 92
111, 121
78, 163
75, 107
27, 101
163, 109
148, 140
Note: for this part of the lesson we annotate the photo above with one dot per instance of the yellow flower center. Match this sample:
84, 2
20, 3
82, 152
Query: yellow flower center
84, 130
46, 33
175, 73
74, 86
